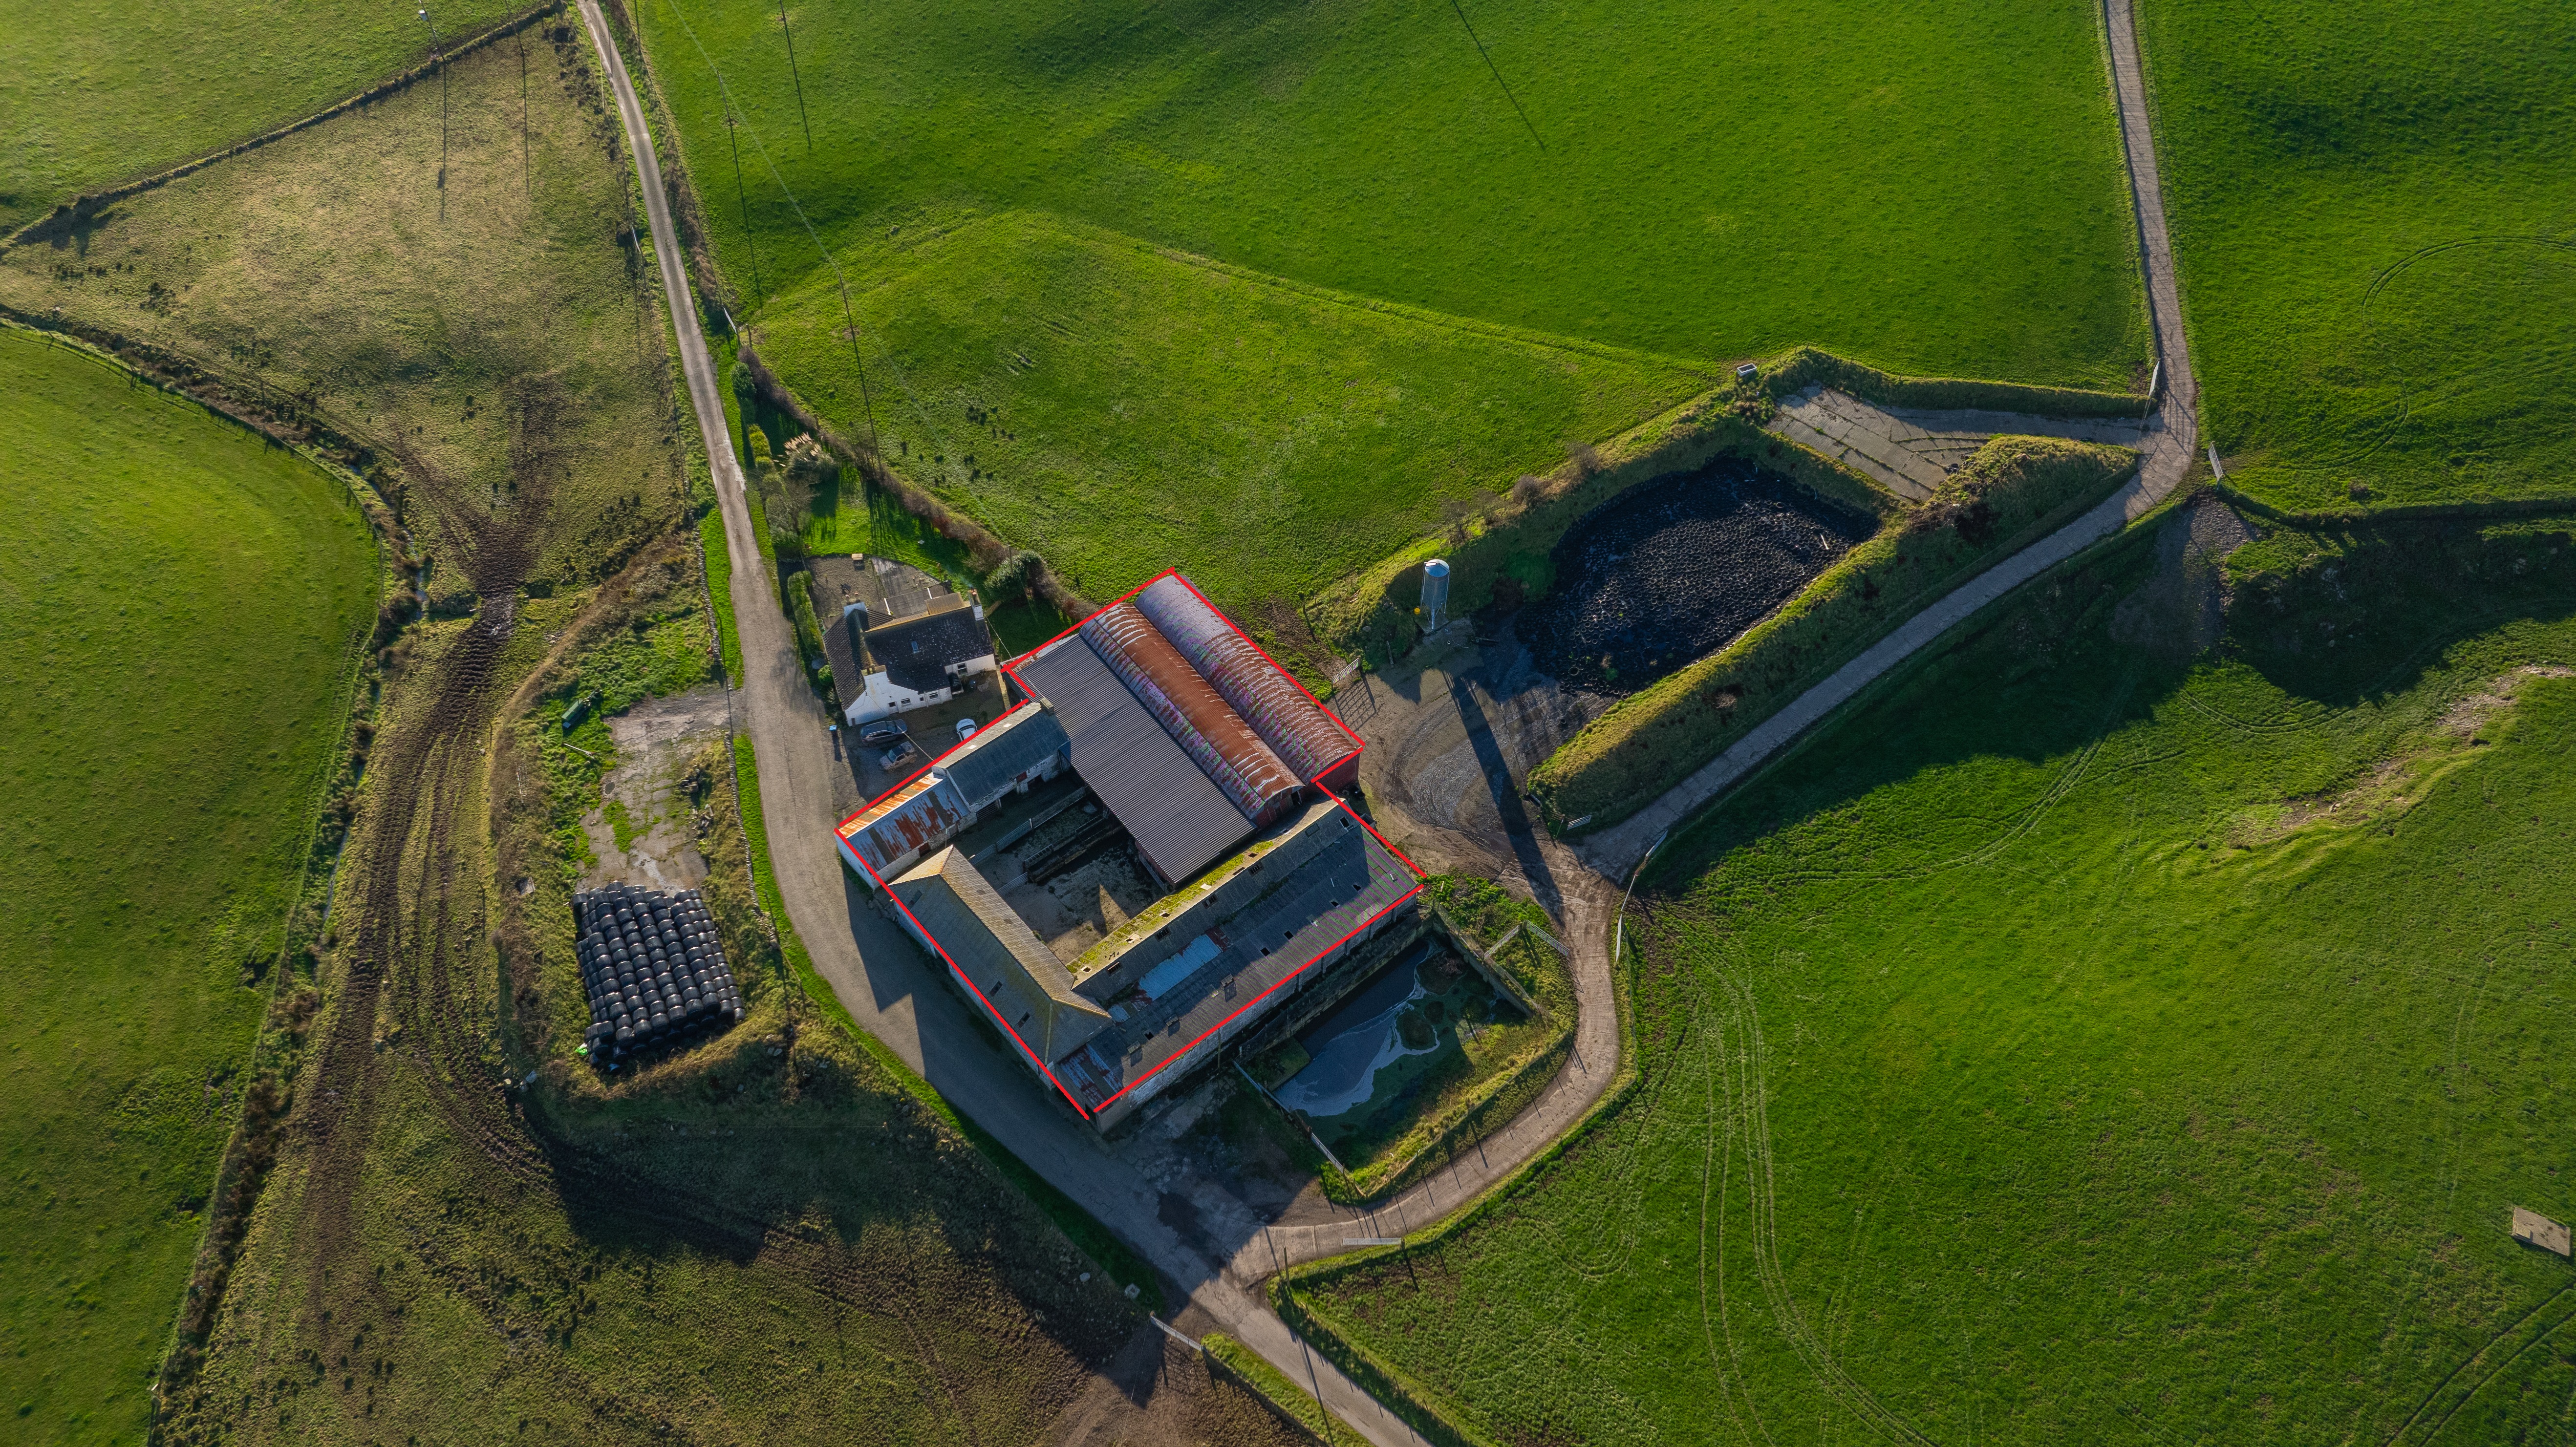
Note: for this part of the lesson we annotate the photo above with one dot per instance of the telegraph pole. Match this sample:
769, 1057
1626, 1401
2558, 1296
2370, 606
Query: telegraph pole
441, 62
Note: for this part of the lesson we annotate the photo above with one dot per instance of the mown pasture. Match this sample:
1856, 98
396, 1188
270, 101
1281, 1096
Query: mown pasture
783, 1245
85, 103
179, 605
1040, 210
2082, 1041
2374, 215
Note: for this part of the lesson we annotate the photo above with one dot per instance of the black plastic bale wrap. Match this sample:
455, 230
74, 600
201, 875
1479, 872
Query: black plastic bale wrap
652, 967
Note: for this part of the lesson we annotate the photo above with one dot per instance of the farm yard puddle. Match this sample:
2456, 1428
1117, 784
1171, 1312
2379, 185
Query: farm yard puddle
1676, 568
642, 832
1360, 1070
1346, 1049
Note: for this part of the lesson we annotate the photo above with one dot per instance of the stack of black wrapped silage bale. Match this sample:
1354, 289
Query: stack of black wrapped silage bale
653, 969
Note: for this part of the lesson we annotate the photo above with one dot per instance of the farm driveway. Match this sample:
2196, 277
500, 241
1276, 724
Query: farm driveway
2168, 440
1911, 451
1195, 1234
871, 965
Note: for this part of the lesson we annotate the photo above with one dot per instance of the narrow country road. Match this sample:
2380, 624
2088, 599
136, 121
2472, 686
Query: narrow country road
872, 966
2170, 442
1219, 1256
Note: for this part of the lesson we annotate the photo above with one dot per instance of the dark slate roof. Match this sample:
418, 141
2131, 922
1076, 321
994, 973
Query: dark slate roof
1177, 815
1350, 881
1002, 753
916, 652
841, 647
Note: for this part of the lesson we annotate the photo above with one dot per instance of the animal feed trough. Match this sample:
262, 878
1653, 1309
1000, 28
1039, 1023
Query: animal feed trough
652, 967
2534, 1229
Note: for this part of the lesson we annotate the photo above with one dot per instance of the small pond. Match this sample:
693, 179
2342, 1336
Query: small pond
1675, 568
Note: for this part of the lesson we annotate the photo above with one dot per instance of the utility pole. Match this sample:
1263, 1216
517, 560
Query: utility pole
792, 75
441, 62
527, 173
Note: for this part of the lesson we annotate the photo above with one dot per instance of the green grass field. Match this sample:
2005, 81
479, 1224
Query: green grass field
2374, 215
178, 603
490, 336
2114, 1048
773, 1245
86, 101
1115, 258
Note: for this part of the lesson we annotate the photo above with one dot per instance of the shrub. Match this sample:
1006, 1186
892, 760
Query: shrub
1014, 577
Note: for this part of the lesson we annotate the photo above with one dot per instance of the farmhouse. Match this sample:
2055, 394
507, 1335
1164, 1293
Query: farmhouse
896, 637
1143, 858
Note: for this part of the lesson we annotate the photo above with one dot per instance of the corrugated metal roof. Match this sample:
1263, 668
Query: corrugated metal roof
1191, 710
1179, 818
1282, 713
922, 814
1002, 753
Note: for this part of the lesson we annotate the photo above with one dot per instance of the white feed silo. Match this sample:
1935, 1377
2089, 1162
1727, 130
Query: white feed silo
1435, 595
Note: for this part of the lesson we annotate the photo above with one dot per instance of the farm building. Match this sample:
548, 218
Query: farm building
1142, 859
897, 639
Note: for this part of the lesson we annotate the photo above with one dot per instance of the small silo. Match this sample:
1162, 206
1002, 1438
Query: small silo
1435, 595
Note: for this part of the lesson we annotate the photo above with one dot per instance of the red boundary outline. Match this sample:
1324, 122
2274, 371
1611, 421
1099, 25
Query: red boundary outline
1010, 671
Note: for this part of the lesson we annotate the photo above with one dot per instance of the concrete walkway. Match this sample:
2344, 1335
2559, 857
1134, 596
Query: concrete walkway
872, 967
1912, 451
2169, 440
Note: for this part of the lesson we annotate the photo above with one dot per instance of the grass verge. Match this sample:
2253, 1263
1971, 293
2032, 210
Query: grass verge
1286, 1400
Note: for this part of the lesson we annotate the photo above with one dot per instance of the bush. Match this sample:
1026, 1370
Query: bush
800, 607
1013, 577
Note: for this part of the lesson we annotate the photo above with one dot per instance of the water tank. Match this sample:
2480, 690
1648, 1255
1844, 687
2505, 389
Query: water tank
1435, 595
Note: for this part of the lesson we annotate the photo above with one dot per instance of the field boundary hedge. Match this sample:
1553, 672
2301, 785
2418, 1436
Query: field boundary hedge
983, 548
1371, 611
2502, 507
1808, 366
82, 207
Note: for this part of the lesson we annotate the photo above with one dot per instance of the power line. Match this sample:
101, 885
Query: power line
866, 398
744, 197
792, 75
1489, 65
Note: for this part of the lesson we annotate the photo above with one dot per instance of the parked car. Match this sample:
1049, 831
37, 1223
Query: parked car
965, 729
892, 759
883, 731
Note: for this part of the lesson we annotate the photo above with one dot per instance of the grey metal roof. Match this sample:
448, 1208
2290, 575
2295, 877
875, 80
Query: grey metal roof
916, 652
1020, 978
1179, 818
1002, 753
1350, 881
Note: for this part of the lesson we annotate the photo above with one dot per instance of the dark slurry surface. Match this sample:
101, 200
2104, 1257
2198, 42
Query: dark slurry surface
1675, 568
